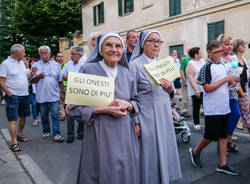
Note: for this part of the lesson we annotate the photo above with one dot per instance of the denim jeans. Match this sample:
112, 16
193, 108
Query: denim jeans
34, 105
53, 108
17, 106
234, 116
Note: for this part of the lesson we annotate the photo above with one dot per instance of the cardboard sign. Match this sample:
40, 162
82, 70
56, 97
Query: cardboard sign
164, 68
89, 90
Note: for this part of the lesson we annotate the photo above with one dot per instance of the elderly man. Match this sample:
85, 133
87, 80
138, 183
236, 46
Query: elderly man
132, 38
14, 82
49, 86
73, 66
59, 59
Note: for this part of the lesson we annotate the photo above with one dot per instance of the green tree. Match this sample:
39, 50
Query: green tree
9, 35
44, 21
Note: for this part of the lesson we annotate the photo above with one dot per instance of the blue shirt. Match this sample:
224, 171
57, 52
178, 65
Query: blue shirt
71, 67
47, 89
128, 54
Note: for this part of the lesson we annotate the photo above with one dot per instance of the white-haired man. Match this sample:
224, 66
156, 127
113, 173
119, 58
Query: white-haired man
49, 87
14, 82
76, 53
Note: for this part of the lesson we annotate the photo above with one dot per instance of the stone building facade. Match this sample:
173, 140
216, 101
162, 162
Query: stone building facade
182, 23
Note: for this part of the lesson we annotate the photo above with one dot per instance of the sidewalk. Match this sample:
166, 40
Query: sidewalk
11, 170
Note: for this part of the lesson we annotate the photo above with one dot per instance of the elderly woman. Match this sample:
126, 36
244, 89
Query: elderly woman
195, 90
227, 58
159, 155
239, 49
92, 41
110, 148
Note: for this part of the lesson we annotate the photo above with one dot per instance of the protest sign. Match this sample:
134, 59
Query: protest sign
164, 68
89, 90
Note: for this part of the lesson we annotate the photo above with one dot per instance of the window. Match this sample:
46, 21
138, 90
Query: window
70, 43
174, 7
215, 29
125, 6
179, 49
98, 13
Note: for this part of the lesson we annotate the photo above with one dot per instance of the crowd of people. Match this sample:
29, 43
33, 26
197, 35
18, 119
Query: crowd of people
133, 139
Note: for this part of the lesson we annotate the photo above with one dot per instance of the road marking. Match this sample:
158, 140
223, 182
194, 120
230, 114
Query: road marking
35, 172
245, 135
6, 134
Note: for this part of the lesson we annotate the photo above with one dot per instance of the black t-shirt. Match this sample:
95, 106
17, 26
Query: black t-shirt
243, 77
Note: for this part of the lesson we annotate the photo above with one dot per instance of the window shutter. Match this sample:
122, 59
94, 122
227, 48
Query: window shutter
131, 5
171, 8
94, 15
219, 28
101, 20
215, 29
120, 7
210, 31
177, 7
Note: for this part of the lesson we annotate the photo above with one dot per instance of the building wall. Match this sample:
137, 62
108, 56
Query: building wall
189, 28
65, 50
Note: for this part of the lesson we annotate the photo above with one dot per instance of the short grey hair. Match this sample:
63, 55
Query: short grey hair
44, 47
16, 48
91, 36
79, 50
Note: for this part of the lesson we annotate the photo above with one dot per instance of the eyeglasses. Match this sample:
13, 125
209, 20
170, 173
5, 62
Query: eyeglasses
153, 42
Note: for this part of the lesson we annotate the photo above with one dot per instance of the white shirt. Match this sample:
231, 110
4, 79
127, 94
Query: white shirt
215, 102
81, 61
71, 66
16, 75
111, 72
177, 63
197, 65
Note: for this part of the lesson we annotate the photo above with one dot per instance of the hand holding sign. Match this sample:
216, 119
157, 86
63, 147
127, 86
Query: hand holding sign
164, 68
166, 84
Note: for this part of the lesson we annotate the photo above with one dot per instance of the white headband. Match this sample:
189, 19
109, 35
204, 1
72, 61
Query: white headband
108, 35
153, 31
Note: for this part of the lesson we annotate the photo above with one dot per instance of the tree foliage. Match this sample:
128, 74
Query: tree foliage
9, 35
44, 18
37, 22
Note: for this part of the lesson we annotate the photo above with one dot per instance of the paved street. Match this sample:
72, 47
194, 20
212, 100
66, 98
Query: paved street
45, 162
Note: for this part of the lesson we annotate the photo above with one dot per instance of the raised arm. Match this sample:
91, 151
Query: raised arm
213, 86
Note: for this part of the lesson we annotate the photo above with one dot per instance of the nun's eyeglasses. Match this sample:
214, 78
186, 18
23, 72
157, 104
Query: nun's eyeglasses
153, 42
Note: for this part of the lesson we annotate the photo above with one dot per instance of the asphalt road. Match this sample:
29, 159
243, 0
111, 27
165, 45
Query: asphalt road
59, 161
